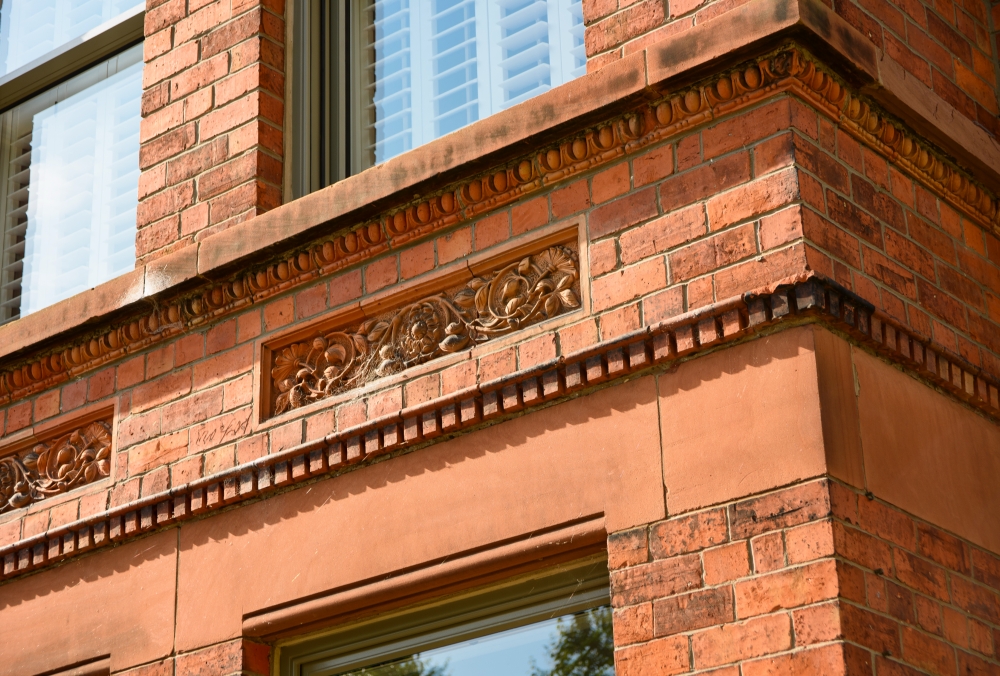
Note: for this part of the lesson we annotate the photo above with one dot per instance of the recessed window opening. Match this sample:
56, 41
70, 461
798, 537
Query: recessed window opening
380, 77
69, 154
556, 623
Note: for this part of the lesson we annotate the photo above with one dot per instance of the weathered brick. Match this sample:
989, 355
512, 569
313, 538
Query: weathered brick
697, 610
782, 509
648, 581
662, 656
686, 534
792, 588
741, 641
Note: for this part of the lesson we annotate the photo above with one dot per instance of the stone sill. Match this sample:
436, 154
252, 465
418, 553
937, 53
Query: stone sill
709, 47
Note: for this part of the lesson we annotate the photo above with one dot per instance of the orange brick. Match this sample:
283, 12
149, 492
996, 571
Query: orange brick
951, 552
458, 377
787, 589
311, 301
809, 542
633, 624
628, 548
278, 313
381, 274
816, 624
662, 656
827, 660
345, 288
768, 553
741, 641
926, 652
685, 534
713, 253
537, 351
623, 213
497, 365
726, 563
755, 198
887, 523
620, 321
610, 183
454, 245
653, 166
492, 230
381, 404
629, 284
528, 216
648, 581
603, 257
664, 233
572, 199
422, 389
697, 610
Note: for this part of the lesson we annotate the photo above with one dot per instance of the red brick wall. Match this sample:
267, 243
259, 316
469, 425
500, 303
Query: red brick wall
724, 229
213, 105
759, 197
813, 579
946, 45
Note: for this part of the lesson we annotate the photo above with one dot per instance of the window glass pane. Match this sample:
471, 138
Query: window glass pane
433, 67
580, 644
31, 28
72, 186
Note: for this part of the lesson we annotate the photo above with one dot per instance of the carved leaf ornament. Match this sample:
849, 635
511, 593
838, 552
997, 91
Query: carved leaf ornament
525, 292
54, 467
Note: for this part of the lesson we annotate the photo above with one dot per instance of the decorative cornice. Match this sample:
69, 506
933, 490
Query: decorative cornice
788, 70
807, 300
513, 296
54, 466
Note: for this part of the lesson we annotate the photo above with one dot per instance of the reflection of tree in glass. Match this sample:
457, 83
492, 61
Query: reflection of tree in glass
411, 666
584, 646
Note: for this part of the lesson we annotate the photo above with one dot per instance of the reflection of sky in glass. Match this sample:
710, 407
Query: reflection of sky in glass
438, 65
83, 191
506, 654
515, 652
31, 28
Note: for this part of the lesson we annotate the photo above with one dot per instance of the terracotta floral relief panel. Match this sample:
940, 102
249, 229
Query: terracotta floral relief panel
513, 294
70, 456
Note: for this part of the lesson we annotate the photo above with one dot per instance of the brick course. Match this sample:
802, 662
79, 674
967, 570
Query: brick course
848, 584
213, 109
782, 193
949, 47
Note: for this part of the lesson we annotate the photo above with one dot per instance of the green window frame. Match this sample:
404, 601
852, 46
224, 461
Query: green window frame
521, 601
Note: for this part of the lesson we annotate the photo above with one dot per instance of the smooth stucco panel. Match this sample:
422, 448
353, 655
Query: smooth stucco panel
599, 453
742, 420
118, 601
927, 454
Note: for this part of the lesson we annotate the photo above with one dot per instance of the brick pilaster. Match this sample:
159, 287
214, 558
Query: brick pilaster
815, 578
212, 106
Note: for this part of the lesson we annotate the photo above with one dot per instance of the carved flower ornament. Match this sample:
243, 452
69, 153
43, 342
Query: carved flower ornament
77, 458
533, 289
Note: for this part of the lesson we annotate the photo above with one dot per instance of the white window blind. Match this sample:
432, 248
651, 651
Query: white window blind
70, 192
31, 28
434, 66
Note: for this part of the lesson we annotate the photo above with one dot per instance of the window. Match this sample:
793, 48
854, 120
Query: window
69, 147
554, 623
379, 77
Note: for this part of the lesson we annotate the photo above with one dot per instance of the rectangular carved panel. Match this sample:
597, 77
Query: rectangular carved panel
511, 295
72, 455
